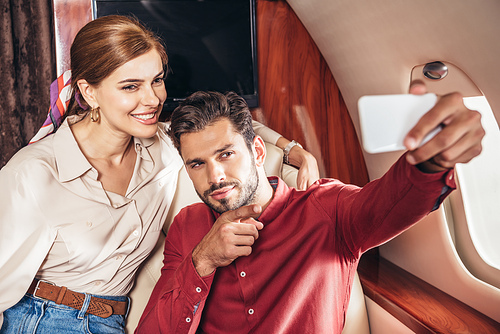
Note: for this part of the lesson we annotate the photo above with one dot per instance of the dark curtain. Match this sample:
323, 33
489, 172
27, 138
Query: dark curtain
27, 65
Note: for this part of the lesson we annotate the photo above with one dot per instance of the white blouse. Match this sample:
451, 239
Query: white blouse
57, 223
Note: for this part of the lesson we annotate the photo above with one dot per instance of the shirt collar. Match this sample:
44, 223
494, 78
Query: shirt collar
144, 142
278, 203
142, 148
71, 163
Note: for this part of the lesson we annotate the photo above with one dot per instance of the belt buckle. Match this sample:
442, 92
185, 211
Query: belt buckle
37, 288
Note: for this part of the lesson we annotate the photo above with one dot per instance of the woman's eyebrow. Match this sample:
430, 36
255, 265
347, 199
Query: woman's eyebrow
160, 74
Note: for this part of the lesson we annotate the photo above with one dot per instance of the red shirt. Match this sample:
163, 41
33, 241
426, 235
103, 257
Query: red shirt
298, 278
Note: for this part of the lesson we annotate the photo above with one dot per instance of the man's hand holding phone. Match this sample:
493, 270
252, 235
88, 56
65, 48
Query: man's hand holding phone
458, 142
445, 132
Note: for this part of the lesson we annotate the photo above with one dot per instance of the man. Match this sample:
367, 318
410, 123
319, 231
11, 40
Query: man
260, 257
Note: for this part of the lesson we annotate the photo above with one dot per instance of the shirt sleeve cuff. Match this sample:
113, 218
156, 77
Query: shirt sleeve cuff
193, 285
422, 180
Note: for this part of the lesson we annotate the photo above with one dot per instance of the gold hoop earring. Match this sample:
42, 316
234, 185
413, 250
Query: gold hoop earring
94, 114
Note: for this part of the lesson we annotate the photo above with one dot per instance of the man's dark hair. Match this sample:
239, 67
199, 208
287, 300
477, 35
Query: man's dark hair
202, 109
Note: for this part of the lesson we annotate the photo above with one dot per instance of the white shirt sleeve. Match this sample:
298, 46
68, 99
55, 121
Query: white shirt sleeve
269, 135
24, 239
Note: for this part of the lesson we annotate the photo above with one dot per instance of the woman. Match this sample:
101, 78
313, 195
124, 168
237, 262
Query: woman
83, 208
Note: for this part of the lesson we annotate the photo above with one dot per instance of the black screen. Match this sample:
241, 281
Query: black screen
210, 43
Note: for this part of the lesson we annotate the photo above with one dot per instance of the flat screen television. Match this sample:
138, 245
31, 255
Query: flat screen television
211, 44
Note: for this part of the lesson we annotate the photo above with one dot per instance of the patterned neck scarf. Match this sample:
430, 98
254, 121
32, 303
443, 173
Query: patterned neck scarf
59, 99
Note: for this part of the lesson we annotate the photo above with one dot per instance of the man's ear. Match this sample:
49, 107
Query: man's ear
87, 92
259, 151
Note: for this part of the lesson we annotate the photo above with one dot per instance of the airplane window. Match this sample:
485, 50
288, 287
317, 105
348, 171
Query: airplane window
475, 209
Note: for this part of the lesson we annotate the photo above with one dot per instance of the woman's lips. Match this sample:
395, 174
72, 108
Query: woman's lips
148, 119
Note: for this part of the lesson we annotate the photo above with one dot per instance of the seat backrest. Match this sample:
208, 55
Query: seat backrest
149, 273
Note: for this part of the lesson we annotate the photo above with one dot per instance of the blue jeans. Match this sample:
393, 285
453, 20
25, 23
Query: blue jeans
35, 315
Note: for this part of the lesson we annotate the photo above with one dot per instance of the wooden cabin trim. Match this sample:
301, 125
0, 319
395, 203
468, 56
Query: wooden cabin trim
298, 95
69, 17
418, 305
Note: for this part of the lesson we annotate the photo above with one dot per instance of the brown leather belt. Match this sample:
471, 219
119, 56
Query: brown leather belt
61, 295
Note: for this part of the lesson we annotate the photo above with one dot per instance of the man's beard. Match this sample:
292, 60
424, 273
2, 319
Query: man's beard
246, 195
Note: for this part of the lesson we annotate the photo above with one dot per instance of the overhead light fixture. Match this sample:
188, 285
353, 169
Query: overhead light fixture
435, 70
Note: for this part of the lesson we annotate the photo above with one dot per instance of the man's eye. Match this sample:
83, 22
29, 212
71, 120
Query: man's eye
196, 165
226, 154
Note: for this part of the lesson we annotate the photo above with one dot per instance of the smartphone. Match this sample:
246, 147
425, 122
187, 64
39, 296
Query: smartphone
385, 120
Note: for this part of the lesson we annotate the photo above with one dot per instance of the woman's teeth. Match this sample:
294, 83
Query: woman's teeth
144, 117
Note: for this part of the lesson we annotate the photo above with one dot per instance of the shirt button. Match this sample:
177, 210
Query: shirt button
243, 274
198, 289
188, 319
250, 311
89, 224
136, 233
